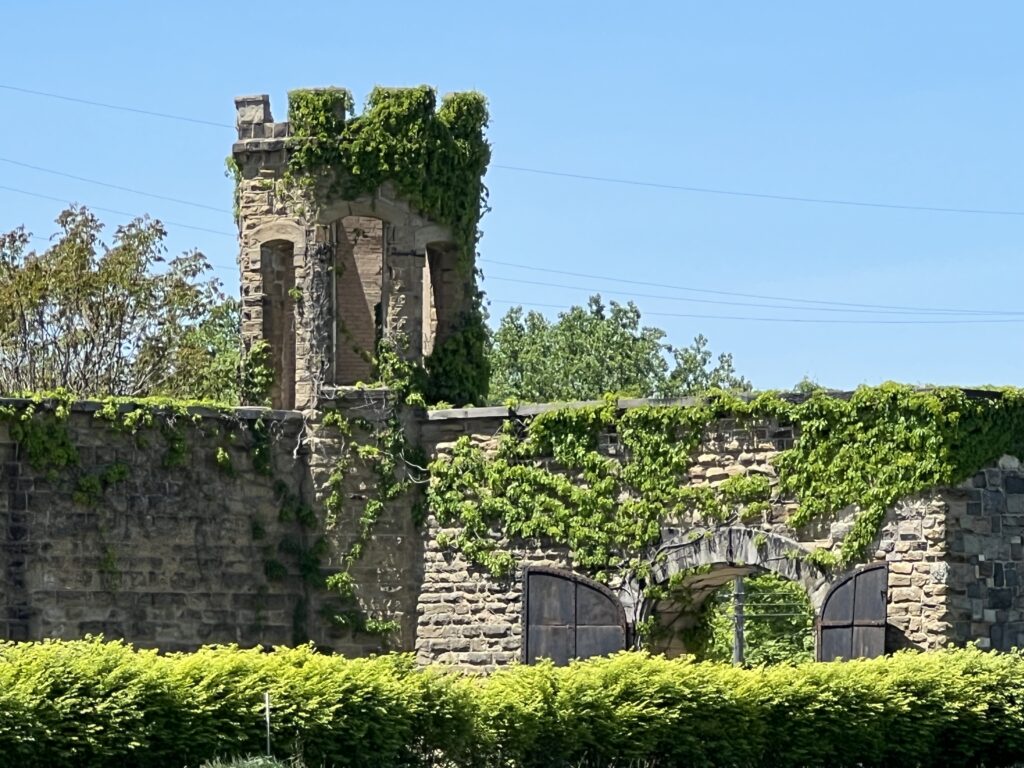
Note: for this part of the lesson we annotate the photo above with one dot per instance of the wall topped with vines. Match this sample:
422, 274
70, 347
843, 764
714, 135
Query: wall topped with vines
604, 481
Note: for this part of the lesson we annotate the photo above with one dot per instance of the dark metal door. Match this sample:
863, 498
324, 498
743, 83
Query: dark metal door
852, 622
567, 616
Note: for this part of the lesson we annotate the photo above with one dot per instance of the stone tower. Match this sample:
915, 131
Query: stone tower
327, 272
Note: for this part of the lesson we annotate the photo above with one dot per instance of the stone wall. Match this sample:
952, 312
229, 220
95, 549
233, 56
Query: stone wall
984, 557
952, 575
206, 548
175, 545
168, 557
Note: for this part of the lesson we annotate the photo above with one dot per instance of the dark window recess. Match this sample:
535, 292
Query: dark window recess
852, 623
568, 616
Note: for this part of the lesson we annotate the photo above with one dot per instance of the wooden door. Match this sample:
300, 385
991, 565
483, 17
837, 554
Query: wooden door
852, 622
567, 616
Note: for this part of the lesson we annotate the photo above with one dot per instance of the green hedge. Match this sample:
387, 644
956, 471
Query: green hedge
93, 704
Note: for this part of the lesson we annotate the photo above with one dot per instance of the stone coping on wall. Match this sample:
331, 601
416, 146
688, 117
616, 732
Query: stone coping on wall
244, 413
622, 403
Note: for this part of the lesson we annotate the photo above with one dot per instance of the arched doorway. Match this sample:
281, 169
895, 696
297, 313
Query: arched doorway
693, 568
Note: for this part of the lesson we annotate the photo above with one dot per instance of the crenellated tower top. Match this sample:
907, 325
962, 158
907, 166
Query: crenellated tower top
358, 229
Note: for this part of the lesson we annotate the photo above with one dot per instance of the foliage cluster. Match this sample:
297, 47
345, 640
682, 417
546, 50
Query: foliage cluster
102, 320
778, 626
551, 479
90, 704
436, 156
589, 351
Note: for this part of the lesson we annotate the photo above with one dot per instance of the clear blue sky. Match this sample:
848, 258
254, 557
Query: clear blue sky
915, 103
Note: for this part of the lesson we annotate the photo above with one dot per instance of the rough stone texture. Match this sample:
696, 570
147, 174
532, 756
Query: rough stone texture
175, 557
940, 588
389, 573
979, 577
169, 558
355, 264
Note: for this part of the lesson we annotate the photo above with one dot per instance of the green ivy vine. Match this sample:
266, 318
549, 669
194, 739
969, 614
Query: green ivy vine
550, 478
436, 156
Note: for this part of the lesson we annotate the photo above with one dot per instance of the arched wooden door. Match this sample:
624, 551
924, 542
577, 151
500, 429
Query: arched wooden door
852, 621
567, 616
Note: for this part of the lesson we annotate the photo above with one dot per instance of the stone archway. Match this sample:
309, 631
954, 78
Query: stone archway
699, 562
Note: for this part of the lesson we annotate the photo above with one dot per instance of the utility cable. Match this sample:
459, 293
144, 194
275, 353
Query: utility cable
582, 176
77, 100
766, 297
115, 211
215, 267
743, 303
761, 195
113, 186
800, 320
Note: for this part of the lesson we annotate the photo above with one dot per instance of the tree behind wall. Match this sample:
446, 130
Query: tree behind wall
118, 320
588, 351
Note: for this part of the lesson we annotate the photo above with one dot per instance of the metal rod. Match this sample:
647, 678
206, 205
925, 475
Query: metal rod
737, 633
266, 709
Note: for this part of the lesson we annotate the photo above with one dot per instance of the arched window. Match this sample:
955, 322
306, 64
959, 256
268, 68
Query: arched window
277, 272
358, 296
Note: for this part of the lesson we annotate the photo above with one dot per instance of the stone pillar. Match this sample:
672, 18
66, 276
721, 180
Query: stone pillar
251, 113
405, 301
276, 256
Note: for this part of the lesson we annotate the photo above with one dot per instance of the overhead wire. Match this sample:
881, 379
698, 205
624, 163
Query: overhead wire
666, 297
761, 195
717, 292
215, 267
799, 320
133, 191
115, 211
991, 316
165, 115
583, 176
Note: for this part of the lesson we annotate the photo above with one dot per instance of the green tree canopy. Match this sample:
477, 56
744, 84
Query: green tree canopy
779, 626
114, 320
589, 351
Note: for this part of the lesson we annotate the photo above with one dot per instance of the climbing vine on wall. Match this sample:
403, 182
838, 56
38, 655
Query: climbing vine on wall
378, 444
436, 157
550, 477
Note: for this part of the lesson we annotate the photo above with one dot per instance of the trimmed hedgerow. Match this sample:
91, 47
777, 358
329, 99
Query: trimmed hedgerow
91, 704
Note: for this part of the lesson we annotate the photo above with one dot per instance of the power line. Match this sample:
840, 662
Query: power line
115, 211
213, 266
77, 100
710, 291
742, 303
113, 186
801, 320
760, 195
582, 176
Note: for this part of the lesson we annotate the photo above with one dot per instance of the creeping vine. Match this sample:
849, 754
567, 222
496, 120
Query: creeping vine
551, 478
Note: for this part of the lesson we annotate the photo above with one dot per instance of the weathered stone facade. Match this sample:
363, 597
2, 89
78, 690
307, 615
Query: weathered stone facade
952, 554
323, 282
168, 557
214, 547
178, 556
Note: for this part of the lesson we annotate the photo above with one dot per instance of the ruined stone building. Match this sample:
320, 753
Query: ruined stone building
308, 520
325, 277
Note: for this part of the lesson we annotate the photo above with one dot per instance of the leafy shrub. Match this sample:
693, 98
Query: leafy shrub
92, 704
